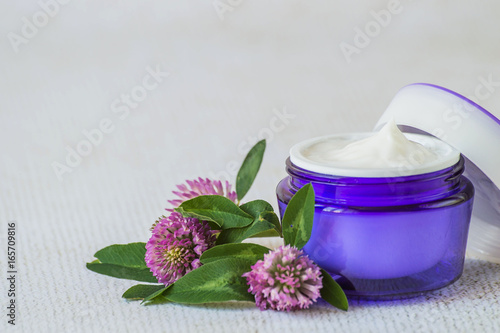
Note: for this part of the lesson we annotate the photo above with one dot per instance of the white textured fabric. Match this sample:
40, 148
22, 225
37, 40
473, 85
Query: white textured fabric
272, 69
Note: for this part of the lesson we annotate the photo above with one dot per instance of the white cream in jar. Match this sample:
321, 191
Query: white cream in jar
388, 153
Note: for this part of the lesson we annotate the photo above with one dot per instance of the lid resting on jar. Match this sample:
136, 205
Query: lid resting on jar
433, 110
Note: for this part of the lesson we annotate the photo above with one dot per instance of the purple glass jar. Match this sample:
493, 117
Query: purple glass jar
386, 238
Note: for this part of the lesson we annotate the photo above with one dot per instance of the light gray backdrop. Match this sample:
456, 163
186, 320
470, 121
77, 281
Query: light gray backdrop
181, 89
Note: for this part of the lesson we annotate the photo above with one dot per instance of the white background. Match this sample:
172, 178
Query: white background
230, 74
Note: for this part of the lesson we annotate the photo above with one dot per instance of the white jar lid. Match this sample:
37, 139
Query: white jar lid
429, 109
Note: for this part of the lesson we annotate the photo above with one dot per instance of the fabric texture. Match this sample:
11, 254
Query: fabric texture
106, 107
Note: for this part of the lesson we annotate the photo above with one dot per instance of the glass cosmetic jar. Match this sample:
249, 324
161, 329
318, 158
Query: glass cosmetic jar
387, 237
394, 236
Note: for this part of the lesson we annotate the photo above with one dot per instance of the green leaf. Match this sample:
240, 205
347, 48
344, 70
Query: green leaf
123, 261
225, 213
275, 220
249, 168
157, 297
258, 209
130, 255
141, 291
248, 251
268, 233
237, 235
123, 272
298, 217
160, 299
333, 293
216, 281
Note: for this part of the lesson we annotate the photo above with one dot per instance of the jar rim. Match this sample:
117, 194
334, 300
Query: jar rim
447, 157
317, 177
381, 191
